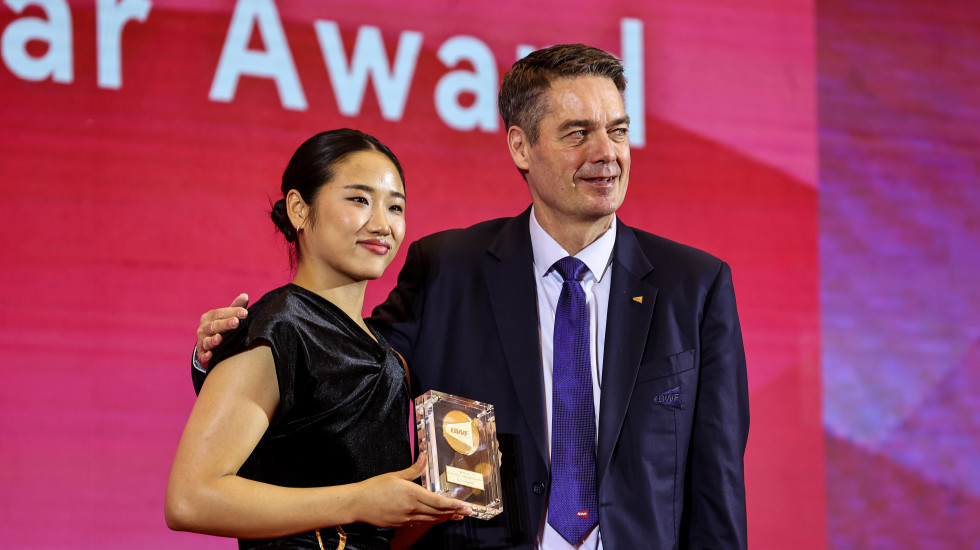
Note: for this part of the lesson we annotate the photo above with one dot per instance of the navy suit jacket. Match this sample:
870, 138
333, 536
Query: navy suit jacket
673, 418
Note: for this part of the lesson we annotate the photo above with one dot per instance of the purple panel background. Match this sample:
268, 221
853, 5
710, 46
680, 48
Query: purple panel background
899, 113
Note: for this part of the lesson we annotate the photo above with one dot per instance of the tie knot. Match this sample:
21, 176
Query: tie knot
570, 268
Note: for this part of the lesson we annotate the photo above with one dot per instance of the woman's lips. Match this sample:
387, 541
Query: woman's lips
377, 246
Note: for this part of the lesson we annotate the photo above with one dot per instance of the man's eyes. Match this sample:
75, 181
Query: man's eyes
582, 134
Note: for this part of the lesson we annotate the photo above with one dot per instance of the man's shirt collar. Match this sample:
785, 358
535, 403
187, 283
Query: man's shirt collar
597, 256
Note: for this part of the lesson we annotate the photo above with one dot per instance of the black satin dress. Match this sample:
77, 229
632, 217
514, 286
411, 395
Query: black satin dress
343, 410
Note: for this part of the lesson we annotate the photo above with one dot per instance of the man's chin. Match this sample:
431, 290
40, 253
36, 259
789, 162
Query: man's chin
604, 206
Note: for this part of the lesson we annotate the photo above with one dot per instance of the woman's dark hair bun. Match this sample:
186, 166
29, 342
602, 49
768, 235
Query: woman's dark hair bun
281, 219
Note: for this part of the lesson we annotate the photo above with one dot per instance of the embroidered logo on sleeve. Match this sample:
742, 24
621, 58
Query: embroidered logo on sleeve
670, 398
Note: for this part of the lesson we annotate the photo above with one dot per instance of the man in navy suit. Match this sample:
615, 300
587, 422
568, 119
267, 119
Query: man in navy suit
474, 313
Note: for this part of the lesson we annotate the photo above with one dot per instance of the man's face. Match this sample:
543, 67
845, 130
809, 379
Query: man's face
579, 168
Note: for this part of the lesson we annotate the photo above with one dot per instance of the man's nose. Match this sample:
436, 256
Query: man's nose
603, 148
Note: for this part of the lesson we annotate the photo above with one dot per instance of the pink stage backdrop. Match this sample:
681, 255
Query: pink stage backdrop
141, 143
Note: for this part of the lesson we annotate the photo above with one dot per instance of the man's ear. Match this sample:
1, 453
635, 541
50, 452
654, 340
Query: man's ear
296, 207
519, 148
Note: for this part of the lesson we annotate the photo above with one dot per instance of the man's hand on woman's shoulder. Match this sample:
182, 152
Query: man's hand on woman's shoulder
216, 321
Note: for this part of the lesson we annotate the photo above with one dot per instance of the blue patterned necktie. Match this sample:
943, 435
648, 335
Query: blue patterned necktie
573, 505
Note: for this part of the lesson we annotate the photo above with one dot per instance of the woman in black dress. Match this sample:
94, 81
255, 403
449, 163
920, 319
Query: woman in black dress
299, 437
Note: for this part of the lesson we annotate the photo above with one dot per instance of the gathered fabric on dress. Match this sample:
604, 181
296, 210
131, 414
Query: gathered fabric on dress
343, 401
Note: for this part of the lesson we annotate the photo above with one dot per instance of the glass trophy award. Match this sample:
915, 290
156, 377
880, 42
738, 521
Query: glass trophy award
460, 438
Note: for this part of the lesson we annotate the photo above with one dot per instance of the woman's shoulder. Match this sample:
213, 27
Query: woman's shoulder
291, 308
268, 320
271, 305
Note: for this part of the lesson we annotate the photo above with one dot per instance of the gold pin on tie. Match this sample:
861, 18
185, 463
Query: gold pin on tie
638, 299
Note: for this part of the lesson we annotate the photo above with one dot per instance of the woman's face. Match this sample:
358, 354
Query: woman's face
359, 222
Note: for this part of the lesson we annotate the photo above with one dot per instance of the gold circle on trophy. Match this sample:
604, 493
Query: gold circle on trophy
461, 432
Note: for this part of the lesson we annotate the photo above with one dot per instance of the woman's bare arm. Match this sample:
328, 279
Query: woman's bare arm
231, 414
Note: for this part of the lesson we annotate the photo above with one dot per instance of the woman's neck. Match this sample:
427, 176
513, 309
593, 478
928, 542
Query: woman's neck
346, 295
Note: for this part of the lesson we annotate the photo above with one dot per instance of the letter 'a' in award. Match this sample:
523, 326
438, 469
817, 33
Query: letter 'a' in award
460, 438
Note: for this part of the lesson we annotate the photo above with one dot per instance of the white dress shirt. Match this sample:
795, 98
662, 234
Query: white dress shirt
596, 282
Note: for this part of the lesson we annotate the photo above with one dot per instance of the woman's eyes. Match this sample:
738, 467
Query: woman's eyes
366, 201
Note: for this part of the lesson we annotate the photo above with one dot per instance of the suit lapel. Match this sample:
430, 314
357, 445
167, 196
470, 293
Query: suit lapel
631, 303
513, 299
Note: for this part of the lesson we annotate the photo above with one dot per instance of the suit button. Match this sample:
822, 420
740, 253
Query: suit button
538, 488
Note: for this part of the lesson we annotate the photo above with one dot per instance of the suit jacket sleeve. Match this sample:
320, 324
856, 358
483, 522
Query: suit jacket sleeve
716, 482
